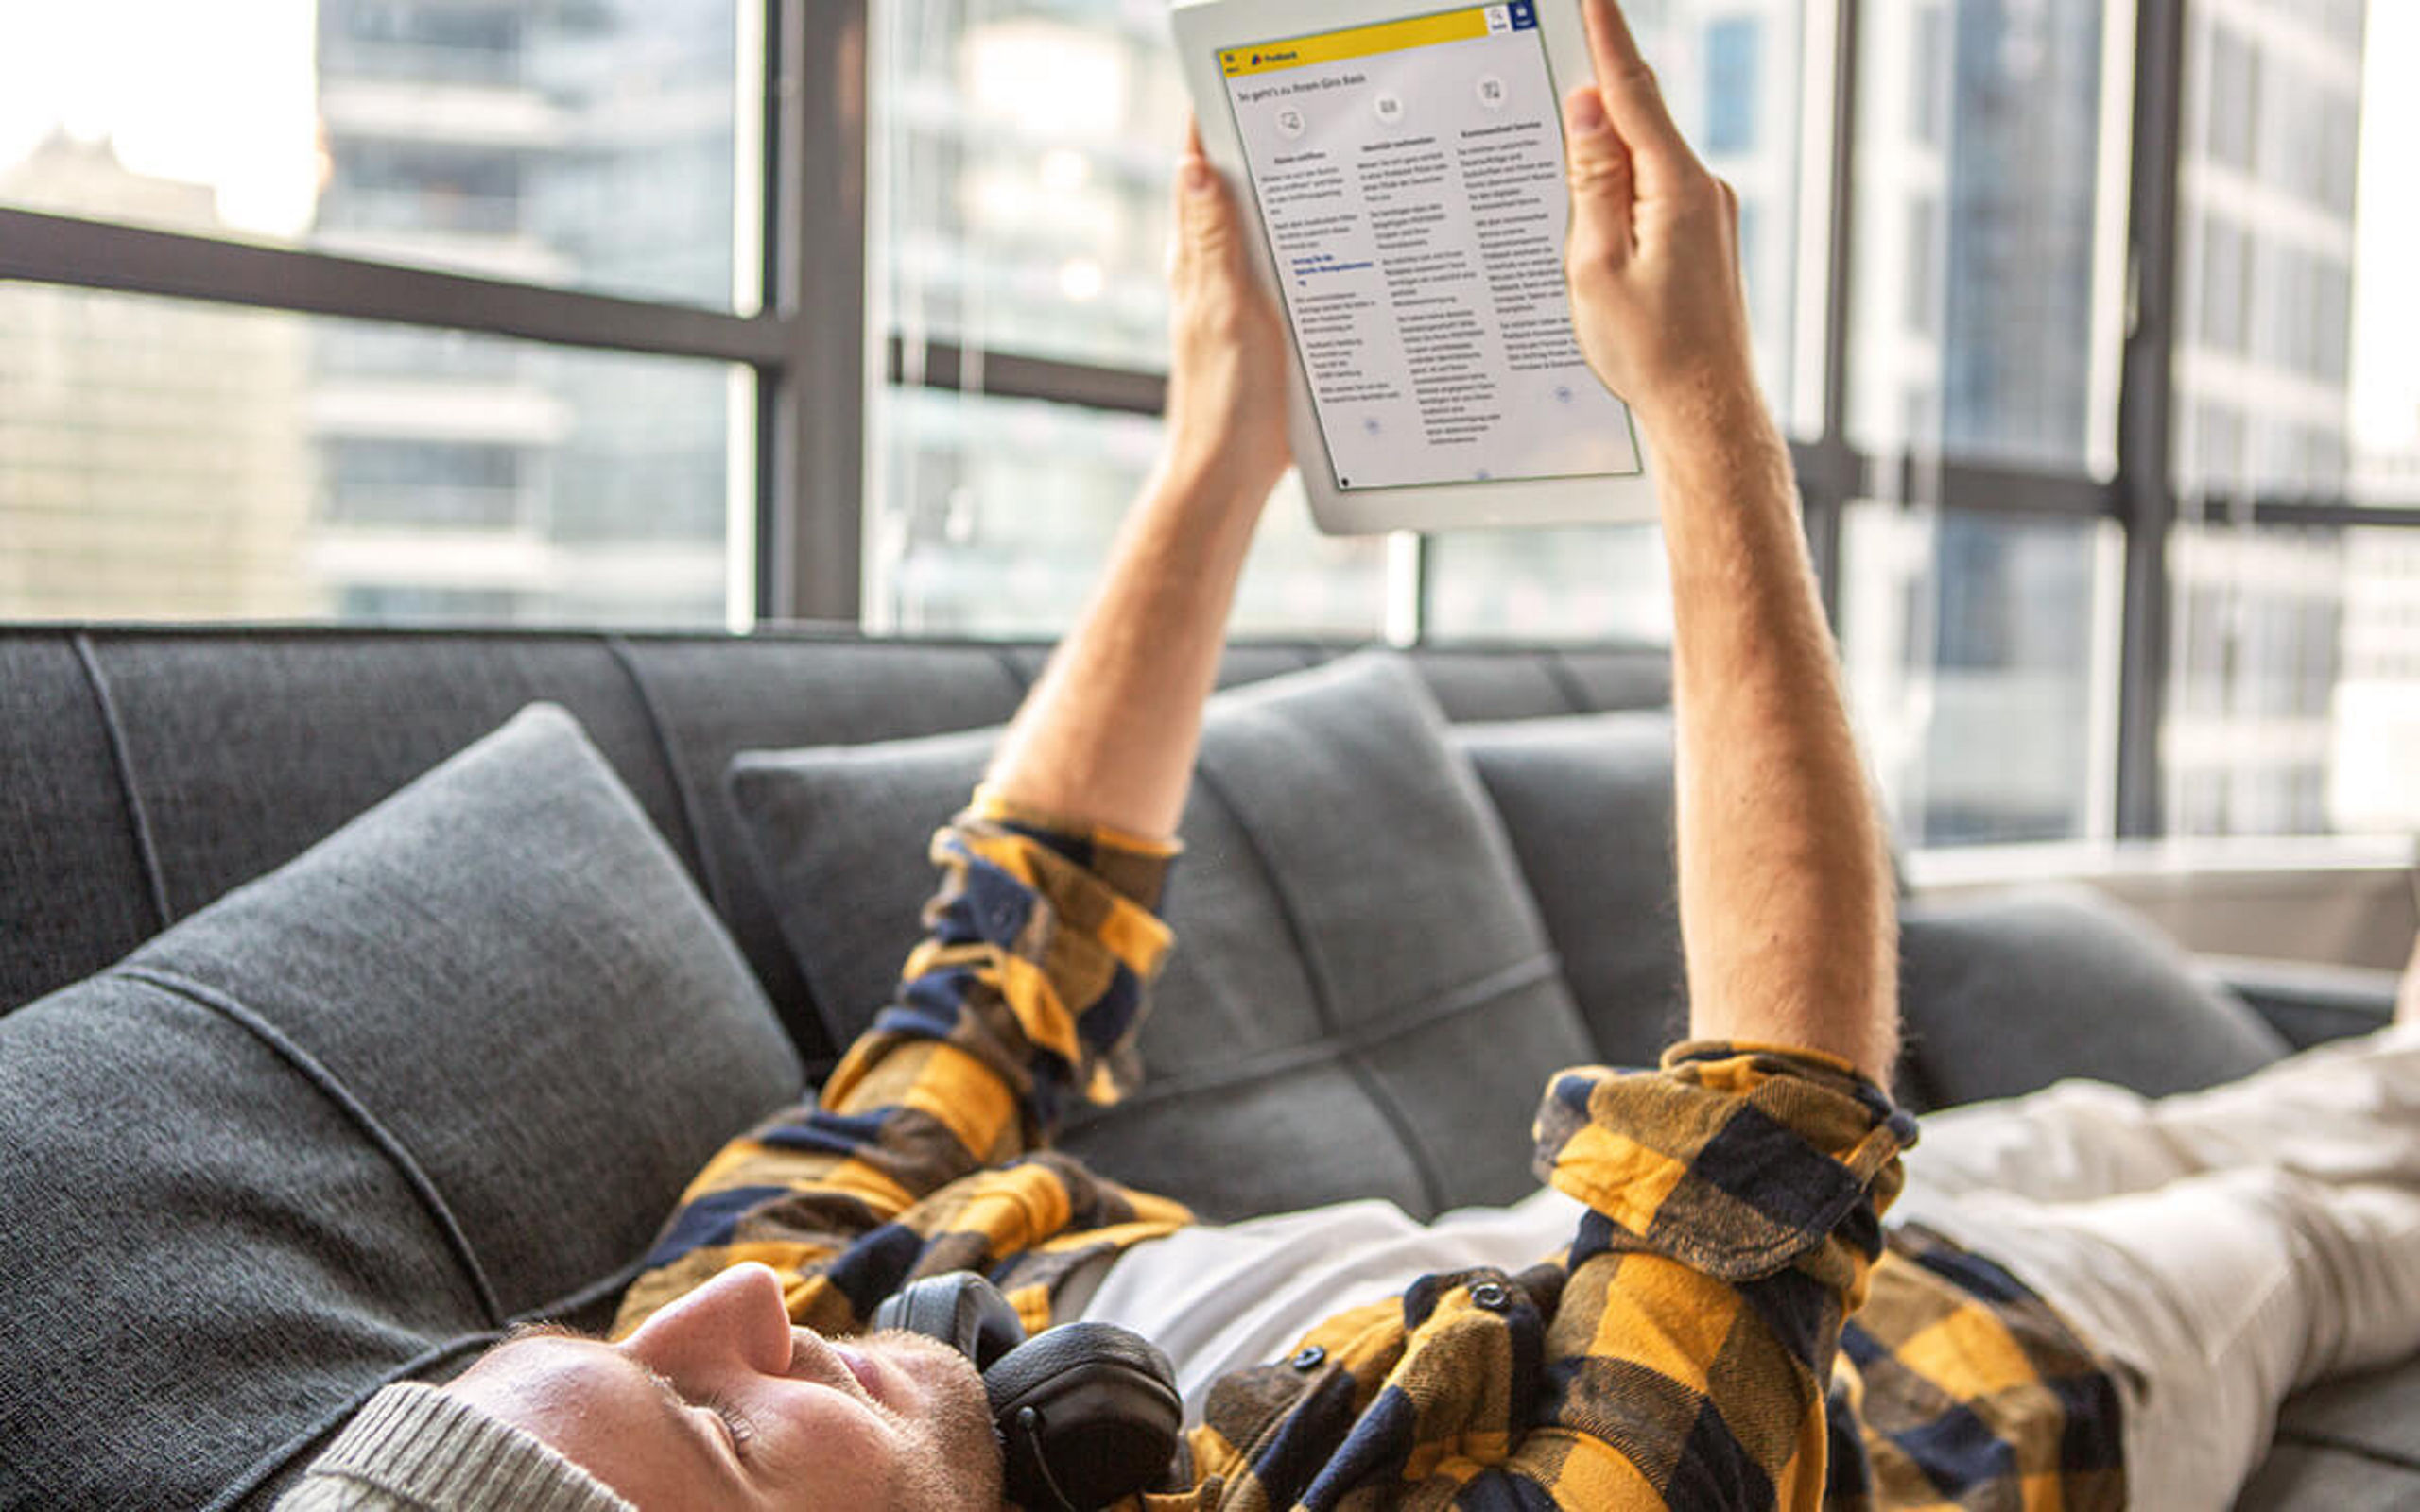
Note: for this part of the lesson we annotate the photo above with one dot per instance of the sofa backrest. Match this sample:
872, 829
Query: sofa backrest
144, 772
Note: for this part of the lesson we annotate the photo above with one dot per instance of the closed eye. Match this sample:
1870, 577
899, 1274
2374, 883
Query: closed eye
735, 1425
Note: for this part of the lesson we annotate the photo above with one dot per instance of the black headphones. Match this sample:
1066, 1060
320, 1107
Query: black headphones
1087, 1412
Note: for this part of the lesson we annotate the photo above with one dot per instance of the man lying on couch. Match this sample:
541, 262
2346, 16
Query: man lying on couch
1713, 1225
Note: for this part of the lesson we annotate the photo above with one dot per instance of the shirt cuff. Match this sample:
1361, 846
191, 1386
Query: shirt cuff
1734, 1159
1134, 866
1067, 911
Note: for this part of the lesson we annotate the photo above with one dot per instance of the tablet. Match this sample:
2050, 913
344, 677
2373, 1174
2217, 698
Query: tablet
1404, 166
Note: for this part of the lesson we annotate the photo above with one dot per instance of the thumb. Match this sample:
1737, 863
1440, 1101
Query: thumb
1204, 215
1602, 184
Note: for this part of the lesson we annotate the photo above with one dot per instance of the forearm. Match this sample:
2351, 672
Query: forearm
1785, 886
1108, 735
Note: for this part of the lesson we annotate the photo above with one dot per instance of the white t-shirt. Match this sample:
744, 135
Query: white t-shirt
1219, 1298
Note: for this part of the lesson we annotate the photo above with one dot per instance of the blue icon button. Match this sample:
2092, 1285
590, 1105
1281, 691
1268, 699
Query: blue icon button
1525, 14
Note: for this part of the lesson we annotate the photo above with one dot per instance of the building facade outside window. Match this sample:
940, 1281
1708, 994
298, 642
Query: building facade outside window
167, 458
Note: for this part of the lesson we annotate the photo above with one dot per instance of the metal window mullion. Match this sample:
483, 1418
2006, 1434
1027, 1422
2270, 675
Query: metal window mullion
952, 367
2146, 407
2333, 513
812, 400
70, 250
1835, 464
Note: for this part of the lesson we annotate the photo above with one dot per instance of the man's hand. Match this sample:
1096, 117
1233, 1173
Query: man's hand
1226, 414
1655, 249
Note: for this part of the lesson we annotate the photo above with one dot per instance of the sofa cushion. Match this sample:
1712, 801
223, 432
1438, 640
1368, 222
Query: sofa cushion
2008, 993
448, 1068
1362, 1000
1587, 803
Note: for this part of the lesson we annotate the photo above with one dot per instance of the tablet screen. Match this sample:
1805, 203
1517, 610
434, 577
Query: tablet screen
1410, 176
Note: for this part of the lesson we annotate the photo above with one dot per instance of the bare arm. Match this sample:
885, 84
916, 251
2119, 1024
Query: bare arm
1107, 737
1785, 890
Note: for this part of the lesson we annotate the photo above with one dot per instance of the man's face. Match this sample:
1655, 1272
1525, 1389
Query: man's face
717, 1403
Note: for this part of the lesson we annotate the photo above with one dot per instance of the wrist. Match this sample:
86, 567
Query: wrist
1724, 415
1213, 479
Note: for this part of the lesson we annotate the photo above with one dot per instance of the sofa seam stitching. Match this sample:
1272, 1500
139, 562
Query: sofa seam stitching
330, 1086
1340, 1044
1323, 993
683, 789
1018, 677
138, 819
1567, 682
274, 1461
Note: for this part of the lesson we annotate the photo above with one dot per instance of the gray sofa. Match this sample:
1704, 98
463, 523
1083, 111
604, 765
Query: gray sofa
145, 773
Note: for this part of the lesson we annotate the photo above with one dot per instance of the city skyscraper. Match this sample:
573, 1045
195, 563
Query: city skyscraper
590, 145
150, 464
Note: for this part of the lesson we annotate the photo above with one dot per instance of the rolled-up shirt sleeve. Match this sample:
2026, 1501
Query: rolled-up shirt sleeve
1023, 1000
1735, 1203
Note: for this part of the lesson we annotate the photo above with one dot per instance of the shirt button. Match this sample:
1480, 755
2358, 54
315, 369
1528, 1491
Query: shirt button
1491, 1296
1310, 1357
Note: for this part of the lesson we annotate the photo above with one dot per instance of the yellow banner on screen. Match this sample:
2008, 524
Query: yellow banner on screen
1356, 42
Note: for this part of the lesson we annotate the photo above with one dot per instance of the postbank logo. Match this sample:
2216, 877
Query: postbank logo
1273, 57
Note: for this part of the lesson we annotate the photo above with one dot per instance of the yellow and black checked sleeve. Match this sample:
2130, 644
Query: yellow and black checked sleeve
1676, 1358
927, 1149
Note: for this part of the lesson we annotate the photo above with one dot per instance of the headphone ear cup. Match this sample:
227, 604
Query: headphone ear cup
1088, 1412
962, 1310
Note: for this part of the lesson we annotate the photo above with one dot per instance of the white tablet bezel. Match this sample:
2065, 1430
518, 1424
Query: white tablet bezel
1204, 29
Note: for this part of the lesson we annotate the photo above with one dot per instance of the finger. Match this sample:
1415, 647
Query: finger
1602, 192
1192, 168
1632, 98
1207, 240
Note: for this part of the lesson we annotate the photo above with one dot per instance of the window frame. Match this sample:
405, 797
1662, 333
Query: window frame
817, 364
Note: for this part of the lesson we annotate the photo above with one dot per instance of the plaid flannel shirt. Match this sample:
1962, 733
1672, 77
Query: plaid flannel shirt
1690, 1349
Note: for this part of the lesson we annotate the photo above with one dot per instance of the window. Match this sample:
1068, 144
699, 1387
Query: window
483, 135
304, 467
478, 310
165, 459
1980, 656
1733, 89
1985, 268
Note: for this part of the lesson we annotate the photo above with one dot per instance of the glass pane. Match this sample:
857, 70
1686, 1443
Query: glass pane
2266, 246
1981, 658
2386, 248
2295, 704
1027, 148
993, 518
1597, 584
1991, 217
167, 460
586, 145
2373, 760
1025, 154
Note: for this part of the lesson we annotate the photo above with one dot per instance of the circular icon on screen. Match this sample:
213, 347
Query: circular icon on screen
1292, 126
1389, 107
1492, 93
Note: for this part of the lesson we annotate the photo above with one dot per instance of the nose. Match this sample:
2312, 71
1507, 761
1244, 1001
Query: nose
735, 1322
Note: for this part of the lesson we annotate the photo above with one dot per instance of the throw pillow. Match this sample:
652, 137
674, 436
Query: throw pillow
448, 1069
1587, 802
2009, 993
1362, 1000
